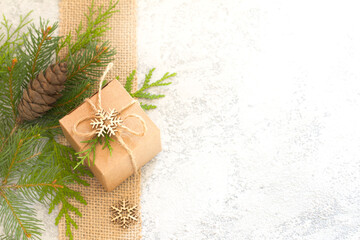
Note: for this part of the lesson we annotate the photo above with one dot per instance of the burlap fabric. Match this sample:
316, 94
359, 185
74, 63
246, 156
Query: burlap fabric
95, 223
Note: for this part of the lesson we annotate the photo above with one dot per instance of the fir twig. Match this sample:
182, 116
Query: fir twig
13, 160
39, 48
4, 143
28, 235
11, 40
88, 152
13, 36
129, 81
74, 98
28, 158
141, 93
107, 144
45, 34
94, 59
12, 102
96, 26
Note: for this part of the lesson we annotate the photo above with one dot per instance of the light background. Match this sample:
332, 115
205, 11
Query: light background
261, 128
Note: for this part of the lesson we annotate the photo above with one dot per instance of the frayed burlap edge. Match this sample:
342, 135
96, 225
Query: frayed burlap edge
95, 223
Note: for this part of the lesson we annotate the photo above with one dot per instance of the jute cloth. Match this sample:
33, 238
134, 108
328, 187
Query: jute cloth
96, 220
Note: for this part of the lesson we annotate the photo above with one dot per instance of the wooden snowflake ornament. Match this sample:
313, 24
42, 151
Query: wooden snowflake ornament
124, 214
106, 122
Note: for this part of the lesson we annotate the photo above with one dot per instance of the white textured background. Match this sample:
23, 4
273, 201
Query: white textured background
261, 128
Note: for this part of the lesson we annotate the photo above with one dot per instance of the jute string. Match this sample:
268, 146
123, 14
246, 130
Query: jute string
121, 126
95, 223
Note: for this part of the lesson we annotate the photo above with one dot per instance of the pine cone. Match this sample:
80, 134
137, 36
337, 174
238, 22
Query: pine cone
42, 92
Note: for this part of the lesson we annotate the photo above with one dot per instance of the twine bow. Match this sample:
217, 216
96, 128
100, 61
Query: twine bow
114, 123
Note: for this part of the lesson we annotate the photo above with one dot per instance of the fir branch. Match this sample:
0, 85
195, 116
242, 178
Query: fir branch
96, 26
129, 81
40, 180
35, 54
39, 48
65, 158
12, 103
147, 106
28, 158
66, 209
91, 149
141, 93
88, 152
94, 59
44, 37
4, 143
17, 217
61, 156
107, 144
146, 95
12, 161
13, 36
20, 145
12, 209
10, 42
84, 63
76, 97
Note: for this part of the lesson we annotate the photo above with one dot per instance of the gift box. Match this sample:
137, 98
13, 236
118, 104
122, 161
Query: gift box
112, 169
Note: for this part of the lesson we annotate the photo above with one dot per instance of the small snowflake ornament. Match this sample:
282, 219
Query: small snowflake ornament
106, 122
124, 214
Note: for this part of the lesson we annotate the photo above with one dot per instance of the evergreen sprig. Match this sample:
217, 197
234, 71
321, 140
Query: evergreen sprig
95, 27
34, 166
88, 152
18, 217
39, 47
142, 92
12, 38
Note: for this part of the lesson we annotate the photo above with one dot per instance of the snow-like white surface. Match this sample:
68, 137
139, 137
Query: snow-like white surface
261, 127
260, 130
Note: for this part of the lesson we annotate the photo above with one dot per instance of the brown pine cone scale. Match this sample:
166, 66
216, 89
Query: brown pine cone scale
42, 92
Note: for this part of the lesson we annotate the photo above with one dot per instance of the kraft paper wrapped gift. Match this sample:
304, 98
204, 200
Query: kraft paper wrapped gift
113, 169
